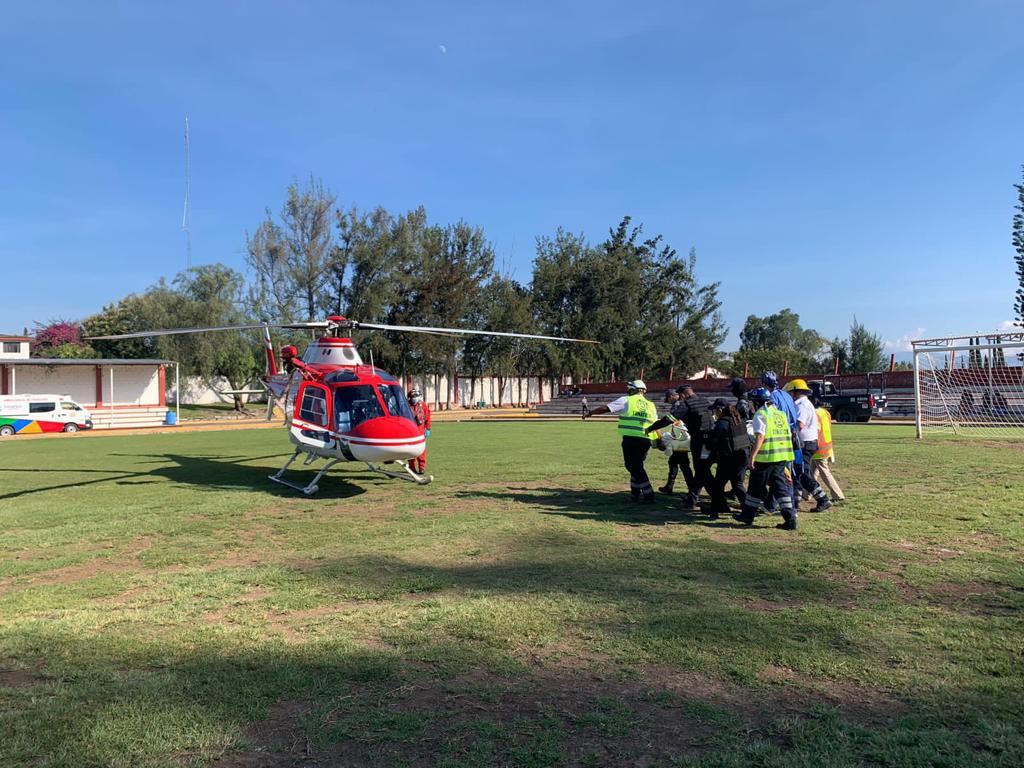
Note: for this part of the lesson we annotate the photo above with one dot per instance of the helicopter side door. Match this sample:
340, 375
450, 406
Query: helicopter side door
313, 419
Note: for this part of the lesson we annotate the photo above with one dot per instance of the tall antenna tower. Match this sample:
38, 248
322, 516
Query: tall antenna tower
186, 217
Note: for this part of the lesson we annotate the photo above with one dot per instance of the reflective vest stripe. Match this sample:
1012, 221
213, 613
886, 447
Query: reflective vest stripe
778, 441
638, 414
824, 435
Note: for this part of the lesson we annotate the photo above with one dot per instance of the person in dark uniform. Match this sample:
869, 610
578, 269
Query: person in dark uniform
729, 445
636, 414
679, 460
738, 388
694, 411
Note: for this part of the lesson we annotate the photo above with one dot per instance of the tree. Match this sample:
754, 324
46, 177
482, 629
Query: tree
782, 329
770, 342
61, 339
1018, 244
382, 253
132, 313
295, 263
865, 350
633, 294
507, 307
838, 356
209, 295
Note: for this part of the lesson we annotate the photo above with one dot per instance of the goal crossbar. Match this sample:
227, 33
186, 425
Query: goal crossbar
982, 396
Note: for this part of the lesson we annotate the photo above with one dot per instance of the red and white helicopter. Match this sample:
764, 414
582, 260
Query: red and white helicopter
338, 408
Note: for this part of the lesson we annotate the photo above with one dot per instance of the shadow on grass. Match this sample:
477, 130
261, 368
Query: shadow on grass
208, 700
608, 506
214, 473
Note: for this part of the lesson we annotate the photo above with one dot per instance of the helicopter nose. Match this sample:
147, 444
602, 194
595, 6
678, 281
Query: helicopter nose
386, 438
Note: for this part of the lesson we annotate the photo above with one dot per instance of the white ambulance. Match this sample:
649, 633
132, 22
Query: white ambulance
32, 414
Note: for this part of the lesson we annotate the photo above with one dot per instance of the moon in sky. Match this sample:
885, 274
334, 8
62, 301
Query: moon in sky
443, 48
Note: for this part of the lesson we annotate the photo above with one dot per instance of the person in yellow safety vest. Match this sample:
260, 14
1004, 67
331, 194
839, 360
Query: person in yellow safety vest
826, 453
770, 459
636, 413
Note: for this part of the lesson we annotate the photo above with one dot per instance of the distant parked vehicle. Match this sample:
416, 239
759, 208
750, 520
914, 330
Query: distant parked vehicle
849, 405
32, 414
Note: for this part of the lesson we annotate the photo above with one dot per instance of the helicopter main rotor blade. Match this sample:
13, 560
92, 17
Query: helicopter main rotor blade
441, 331
176, 331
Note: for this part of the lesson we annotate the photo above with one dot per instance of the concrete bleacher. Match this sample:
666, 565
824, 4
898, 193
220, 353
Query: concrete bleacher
125, 418
899, 405
573, 406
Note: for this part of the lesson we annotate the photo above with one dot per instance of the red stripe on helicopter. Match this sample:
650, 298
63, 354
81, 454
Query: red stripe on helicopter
381, 441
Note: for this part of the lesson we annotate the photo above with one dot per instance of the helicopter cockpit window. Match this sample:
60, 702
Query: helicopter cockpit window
354, 405
314, 406
394, 401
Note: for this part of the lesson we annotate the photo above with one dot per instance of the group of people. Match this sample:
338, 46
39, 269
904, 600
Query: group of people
778, 435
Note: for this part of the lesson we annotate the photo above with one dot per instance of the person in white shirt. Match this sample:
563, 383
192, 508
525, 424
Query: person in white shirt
636, 413
807, 431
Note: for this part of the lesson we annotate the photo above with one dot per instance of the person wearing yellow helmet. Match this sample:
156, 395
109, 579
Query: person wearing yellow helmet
807, 431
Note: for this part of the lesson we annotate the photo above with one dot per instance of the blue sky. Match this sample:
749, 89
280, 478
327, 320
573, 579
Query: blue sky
863, 152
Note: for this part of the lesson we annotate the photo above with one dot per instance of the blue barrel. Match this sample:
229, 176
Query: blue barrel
172, 418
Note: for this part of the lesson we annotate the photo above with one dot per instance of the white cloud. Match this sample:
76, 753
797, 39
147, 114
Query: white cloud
1008, 325
902, 344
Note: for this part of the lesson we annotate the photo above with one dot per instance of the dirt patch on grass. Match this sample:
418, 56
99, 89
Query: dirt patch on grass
930, 552
761, 605
985, 542
223, 615
973, 597
481, 716
785, 690
281, 740
125, 561
562, 716
126, 597
20, 678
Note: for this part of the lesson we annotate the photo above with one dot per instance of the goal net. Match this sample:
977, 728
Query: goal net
970, 385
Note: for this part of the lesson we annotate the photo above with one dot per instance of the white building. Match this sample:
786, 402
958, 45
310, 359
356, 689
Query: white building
14, 347
119, 393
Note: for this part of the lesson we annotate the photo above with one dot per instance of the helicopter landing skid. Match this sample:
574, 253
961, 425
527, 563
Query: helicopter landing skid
409, 475
310, 489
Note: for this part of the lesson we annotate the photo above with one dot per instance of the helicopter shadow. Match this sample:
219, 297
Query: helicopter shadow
213, 473
604, 506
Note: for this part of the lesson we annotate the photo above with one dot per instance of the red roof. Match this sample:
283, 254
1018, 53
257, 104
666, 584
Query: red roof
15, 338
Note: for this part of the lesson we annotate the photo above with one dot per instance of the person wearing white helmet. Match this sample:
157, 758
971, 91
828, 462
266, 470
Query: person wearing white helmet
636, 413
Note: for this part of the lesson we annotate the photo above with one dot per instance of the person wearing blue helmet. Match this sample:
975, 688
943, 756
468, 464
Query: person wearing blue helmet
770, 463
785, 403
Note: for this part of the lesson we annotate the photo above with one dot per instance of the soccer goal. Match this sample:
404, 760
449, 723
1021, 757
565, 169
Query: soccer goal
970, 385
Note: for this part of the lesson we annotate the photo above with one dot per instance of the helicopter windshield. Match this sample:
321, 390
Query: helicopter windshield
395, 402
354, 405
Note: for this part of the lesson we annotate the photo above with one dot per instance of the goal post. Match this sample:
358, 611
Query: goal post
970, 385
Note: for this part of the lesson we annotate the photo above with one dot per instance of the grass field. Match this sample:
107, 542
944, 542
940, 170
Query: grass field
163, 604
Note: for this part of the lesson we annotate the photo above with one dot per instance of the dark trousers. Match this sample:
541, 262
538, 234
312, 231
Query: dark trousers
701, 469
769, 480
680, 460
807, 450
634, 452
730, 469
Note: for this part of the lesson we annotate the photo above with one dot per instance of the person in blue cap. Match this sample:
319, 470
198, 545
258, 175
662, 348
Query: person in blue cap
785, 403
